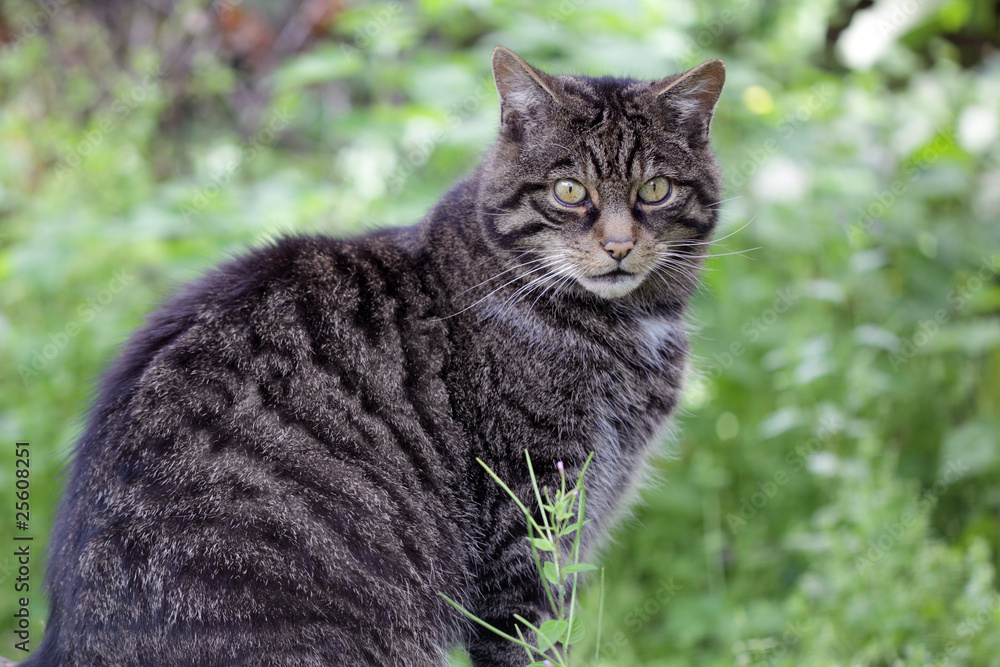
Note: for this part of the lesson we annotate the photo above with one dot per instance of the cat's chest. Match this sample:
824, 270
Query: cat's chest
564, 393
628, 385
622, 378
639, 359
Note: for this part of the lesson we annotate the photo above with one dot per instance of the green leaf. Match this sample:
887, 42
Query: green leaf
549, 570
573, 527
578, 631
541, 544
579, 567
551, 633
565, 508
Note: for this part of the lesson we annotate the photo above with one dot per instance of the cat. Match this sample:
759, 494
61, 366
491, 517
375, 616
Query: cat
280, 468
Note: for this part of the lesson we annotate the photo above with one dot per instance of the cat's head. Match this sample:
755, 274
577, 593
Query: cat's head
602, 184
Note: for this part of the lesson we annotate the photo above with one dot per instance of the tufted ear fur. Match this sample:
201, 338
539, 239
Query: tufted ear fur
690, 98
525, 93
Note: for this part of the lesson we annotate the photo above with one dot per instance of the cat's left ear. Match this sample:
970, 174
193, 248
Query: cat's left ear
691, 97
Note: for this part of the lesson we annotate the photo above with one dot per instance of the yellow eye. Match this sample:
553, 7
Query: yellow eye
655, 190
569, 192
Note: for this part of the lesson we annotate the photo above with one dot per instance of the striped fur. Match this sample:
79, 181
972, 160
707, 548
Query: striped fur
280, 469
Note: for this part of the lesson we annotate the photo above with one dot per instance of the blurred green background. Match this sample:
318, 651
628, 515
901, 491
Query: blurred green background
832, 497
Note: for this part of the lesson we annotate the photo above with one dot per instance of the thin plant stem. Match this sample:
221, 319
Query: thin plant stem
548, 533
489, 627
555, 649
520, 636
600, 618
575, 559
568, 512
511, 494
575, 552
538, 566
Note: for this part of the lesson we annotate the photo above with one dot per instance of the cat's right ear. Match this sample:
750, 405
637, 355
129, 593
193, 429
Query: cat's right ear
525, 93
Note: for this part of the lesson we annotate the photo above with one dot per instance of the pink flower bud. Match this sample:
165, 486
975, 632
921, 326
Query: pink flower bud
560, 467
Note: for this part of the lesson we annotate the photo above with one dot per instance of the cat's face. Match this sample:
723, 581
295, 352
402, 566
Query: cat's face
605, 185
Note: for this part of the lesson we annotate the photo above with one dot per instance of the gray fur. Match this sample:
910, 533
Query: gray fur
280, 469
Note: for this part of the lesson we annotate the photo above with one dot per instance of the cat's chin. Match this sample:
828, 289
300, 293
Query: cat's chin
611, 286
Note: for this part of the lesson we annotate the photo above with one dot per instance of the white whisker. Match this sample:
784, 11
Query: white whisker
735, 252
566, 279
526, 289
723, 201
521, 291
721, 238
676, 270
513, 268
491, 293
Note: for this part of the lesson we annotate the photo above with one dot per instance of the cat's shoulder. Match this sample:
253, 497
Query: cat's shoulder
229, 309
283, 269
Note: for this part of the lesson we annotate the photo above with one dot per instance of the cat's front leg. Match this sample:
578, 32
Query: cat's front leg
490, 650
508, 583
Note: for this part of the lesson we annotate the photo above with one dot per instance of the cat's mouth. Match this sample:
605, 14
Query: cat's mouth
616, 273
612, 284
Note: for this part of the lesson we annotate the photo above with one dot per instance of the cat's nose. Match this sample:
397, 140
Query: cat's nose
618, 248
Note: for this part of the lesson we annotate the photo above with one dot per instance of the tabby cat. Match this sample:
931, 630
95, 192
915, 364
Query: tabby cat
280, 468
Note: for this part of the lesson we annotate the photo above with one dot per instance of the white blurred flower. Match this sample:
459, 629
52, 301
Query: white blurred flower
978, 128
780, 180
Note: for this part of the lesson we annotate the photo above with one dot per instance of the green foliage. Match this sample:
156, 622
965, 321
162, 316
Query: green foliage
876, 530
847, 368
562, 520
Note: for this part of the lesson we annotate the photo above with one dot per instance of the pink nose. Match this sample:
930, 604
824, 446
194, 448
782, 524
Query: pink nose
618, 249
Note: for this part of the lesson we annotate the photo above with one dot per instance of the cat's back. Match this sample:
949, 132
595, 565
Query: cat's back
275, 446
